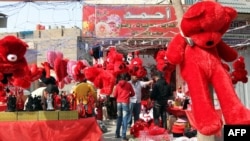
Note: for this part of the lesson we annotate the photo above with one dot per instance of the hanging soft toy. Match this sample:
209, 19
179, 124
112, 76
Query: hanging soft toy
163, 65
199, 49
13, 65
239, 73
78, 74
102, 79
136, 67
114, 62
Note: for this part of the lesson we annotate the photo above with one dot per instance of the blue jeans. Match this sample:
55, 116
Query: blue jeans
122, 119
135, 109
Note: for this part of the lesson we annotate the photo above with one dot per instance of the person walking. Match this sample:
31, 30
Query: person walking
122, 92
135, 101
160, 94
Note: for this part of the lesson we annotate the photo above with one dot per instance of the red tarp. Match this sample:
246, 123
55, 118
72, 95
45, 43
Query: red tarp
86, 129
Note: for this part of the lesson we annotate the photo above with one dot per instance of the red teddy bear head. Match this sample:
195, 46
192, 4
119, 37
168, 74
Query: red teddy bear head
12, 51
206, 22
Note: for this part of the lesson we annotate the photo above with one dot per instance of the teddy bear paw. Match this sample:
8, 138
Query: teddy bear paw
210, 128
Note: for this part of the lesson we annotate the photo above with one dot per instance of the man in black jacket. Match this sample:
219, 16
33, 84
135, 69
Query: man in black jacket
160, 94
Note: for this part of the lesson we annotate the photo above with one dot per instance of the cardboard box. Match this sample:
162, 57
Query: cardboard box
26, 116
48, 115
68, 115
8, 116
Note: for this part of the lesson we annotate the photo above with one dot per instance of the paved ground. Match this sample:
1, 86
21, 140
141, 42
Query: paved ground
110, 135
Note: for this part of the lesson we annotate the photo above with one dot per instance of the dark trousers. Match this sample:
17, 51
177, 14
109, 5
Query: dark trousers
159, 110
111, 108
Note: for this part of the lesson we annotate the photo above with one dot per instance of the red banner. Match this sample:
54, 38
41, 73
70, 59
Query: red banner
125, 21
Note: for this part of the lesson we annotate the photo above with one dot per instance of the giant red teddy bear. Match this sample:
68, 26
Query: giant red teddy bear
199, 48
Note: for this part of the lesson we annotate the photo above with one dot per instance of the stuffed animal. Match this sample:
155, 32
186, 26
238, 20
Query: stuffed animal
199, 49
239, 73
163, 65
114, 62
102, 79
14, 68
136, 68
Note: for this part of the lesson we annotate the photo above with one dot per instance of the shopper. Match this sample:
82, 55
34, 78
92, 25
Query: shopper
122, 92
135, 101
160, 94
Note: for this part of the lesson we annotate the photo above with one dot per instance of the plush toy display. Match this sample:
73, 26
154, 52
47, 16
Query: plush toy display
199, 49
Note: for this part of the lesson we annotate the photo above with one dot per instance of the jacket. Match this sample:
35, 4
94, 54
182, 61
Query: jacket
123, 91
161, 91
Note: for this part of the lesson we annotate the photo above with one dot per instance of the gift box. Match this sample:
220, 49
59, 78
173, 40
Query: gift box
24, 116
48, 115
68, 115
8, 116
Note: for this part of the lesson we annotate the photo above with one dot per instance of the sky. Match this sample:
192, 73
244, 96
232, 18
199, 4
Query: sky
24, 16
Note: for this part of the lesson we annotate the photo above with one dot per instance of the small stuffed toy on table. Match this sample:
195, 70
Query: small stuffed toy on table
199, 50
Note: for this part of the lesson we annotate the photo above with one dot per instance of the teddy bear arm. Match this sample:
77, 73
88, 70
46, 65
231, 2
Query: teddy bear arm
21, 72
175, 50
226, 52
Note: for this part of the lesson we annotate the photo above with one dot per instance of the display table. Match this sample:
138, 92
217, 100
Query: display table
86, 129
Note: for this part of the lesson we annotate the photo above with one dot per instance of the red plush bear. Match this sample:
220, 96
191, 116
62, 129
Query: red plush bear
14, 68
114, 62
199, 49
163, 65
102, 79
136, 68
239, 73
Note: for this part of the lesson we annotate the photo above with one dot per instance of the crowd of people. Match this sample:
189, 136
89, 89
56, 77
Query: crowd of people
130, 91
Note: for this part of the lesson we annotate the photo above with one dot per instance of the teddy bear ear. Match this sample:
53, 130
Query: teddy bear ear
195, 11
231, 12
